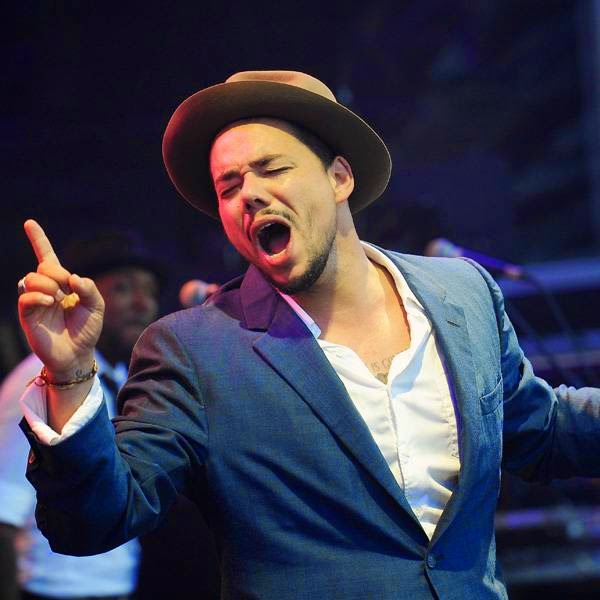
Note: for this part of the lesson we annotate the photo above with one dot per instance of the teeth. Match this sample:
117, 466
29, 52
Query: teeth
265, 227
262, 229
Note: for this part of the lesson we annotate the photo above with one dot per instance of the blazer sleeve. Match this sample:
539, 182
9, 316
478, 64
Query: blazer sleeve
109, 483
547, 433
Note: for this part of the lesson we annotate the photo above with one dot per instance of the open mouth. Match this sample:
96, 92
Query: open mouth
273, 238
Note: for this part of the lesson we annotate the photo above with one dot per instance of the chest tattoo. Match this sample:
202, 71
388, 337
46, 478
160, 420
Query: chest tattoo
380, 368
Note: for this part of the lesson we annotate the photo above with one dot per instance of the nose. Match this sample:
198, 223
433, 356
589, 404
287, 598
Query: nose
253, 193
144, 302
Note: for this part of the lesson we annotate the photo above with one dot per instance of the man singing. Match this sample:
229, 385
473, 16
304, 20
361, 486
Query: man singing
341, 412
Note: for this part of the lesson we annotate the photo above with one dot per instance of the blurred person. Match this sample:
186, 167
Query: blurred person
129, 279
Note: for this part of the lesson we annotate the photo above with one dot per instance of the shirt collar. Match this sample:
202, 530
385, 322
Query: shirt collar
304, 316
374, 254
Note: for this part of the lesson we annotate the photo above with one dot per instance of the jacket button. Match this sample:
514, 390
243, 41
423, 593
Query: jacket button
431, 561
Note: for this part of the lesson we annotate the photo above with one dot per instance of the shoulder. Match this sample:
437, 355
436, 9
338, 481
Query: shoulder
444, 270
190, 327
459, 280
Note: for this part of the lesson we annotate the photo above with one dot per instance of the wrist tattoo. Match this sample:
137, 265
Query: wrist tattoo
80, 377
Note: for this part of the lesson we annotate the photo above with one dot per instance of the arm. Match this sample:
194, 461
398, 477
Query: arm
159, 451
547, 433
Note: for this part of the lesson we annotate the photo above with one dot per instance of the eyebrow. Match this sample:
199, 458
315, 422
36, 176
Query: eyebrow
259, 163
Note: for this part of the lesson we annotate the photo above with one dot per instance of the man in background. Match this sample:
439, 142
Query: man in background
129, 279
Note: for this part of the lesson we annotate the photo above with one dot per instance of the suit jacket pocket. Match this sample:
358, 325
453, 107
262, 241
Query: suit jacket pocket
491, 400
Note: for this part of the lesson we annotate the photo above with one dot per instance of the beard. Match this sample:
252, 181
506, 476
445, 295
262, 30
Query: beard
316, 265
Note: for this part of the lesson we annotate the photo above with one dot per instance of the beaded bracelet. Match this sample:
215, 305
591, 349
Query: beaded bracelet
64, 385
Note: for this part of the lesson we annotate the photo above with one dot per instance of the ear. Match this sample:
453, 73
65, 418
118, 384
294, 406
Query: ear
342, 179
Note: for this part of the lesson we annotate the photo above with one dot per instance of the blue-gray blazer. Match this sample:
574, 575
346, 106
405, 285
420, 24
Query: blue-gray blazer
234, 404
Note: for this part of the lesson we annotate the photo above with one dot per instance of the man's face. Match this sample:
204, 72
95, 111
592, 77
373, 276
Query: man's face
131, 298
277, 201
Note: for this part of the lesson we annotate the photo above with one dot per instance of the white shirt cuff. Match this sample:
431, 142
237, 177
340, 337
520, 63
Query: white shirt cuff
33, 405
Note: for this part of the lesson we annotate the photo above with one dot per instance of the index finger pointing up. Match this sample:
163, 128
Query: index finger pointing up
40, 243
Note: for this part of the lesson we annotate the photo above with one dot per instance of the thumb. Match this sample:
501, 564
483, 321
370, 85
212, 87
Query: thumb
87, 291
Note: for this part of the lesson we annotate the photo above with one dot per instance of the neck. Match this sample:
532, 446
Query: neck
348, 287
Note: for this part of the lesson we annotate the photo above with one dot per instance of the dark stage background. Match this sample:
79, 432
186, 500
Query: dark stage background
491, 111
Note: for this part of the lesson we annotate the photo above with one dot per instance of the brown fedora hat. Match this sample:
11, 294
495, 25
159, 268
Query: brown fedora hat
288, 95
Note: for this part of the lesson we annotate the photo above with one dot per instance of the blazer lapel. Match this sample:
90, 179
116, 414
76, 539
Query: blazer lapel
291, 350
455, 345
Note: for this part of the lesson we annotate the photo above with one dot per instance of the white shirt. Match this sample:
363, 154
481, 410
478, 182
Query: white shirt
40, 570
411, 417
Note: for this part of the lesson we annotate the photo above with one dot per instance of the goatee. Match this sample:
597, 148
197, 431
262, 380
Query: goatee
316, 266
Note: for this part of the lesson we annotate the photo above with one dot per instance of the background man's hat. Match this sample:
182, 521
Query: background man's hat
109, 250
288, 95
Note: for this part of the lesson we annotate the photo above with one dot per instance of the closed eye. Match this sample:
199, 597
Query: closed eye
276, 171
227, 191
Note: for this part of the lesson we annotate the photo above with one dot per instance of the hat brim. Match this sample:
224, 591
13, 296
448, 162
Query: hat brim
194, 125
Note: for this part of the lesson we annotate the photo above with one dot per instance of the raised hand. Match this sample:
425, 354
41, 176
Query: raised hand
60, 313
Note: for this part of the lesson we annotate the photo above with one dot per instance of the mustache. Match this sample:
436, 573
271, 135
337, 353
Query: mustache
276, 213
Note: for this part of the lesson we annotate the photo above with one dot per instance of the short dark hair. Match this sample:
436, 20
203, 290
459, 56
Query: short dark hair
324, 153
